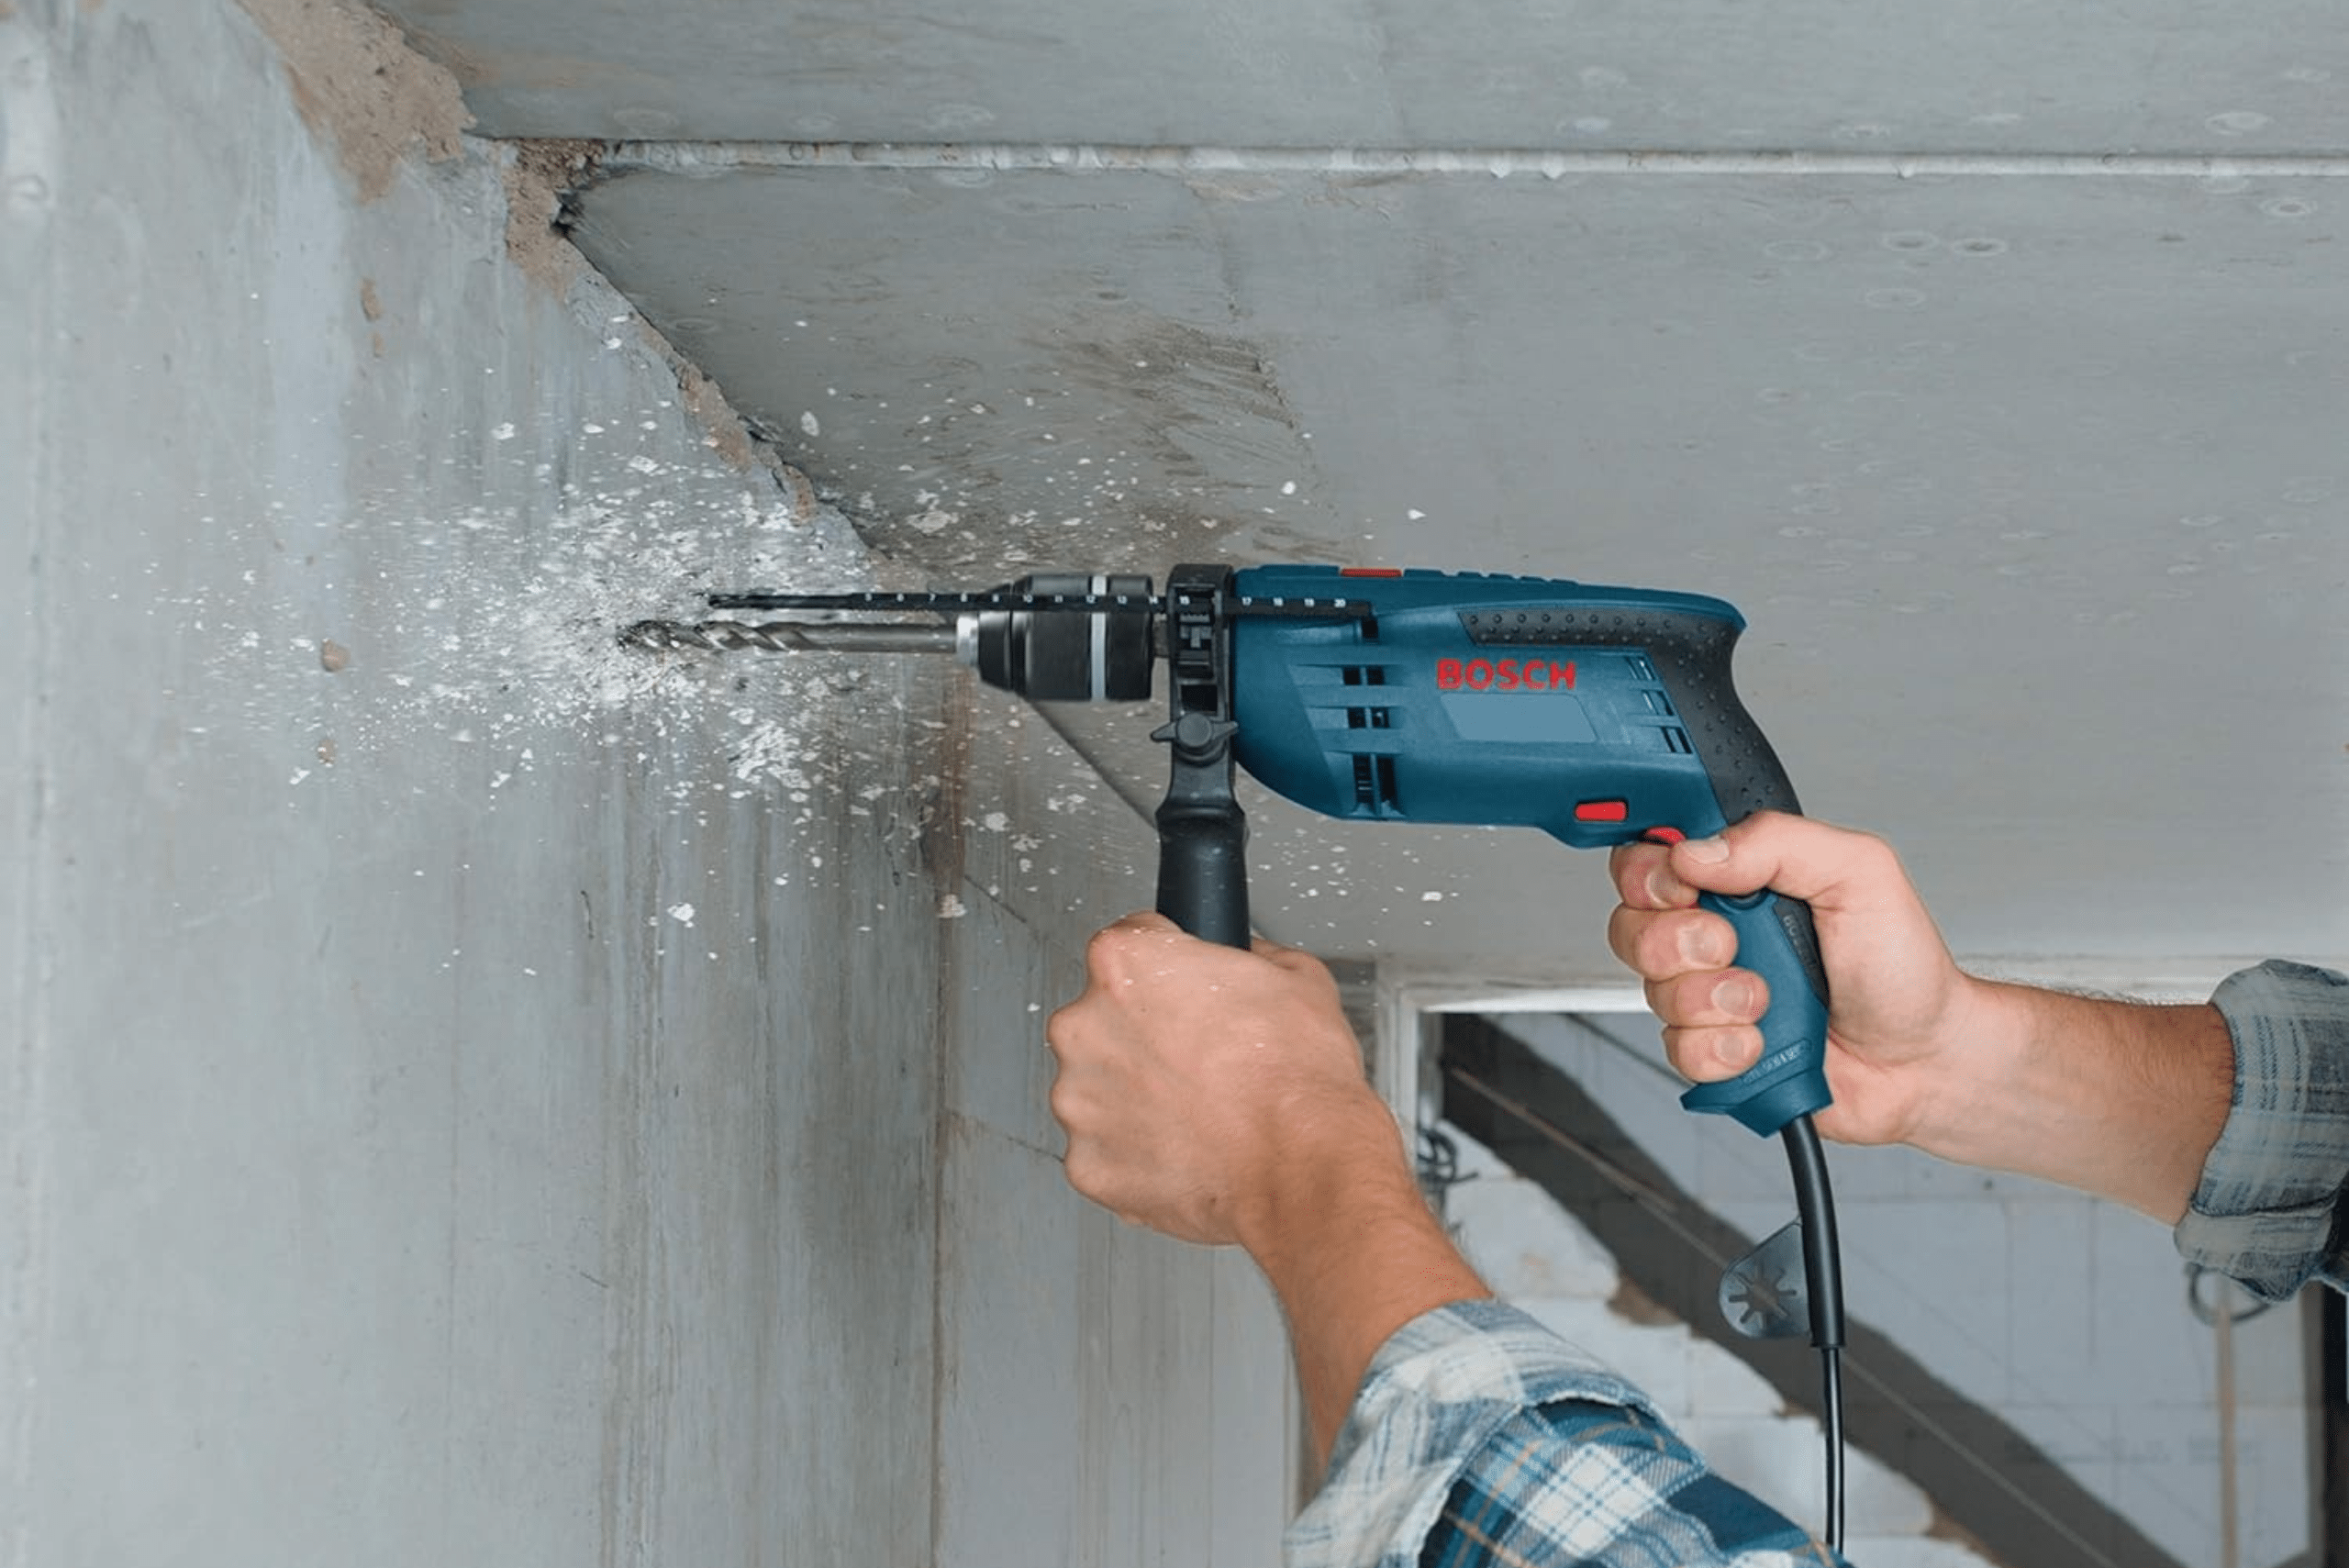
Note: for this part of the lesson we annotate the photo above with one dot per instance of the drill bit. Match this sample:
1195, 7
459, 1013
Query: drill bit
789, 637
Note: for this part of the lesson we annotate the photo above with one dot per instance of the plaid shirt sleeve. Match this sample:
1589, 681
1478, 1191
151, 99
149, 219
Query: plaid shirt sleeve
1480, 1437
2267, 1210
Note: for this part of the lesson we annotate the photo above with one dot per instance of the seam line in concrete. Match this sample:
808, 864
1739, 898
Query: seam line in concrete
721, 157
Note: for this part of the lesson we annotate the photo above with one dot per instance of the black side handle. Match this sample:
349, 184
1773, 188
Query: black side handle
1202, 833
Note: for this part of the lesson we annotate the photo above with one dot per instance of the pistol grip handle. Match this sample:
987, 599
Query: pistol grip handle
1777, 940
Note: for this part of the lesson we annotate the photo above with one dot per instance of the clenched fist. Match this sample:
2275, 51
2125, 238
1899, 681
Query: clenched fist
1193, 1076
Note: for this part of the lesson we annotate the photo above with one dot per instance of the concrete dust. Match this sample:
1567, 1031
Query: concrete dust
357, 85
469, 651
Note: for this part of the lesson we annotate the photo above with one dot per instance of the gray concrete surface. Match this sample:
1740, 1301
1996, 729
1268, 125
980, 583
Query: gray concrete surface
2027, 482
469, 1095
2000, 76
1989, 360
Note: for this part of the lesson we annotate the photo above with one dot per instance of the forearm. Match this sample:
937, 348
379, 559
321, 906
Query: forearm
2121, 1099
1353, 1253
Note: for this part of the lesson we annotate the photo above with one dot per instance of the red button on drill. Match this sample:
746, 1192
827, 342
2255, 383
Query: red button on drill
1602, 811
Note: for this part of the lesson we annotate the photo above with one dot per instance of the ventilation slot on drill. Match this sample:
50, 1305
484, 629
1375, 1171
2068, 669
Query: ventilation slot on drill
1373, 785
1367, 717
1676, 740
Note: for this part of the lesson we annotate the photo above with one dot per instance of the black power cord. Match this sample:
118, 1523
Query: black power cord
1822, 1258
1822, 1267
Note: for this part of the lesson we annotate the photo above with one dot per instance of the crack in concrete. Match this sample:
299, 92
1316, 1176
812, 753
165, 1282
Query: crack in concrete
706, 157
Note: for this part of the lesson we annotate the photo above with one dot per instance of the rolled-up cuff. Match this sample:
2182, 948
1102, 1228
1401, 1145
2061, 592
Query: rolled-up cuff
1435, 1393
2266, 1211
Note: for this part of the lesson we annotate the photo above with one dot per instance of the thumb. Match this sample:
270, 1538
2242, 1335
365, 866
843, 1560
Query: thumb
1828, 867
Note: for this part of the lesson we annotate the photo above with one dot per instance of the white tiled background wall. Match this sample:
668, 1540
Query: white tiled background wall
2065, 1316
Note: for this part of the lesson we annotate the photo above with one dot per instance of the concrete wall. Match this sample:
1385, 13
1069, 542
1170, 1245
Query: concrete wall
470, 1093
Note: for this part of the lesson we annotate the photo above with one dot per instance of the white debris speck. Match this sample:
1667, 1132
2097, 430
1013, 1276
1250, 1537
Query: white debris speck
643, 464
1289, 488
808, 424
504, 433
995, 822
1430, 897
933, 519
682, 913
299, 774
951, 907
1413, 513
592, 428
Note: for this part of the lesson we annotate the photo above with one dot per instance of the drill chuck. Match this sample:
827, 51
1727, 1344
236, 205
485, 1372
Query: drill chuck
1103, 653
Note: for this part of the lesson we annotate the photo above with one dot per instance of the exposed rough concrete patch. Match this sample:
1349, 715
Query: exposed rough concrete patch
543, 176
540, 179
358, 80
728, 433
358, 83
708, 403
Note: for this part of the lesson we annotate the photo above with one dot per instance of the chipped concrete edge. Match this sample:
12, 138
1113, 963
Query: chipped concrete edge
359, 86
367, 90
543, 177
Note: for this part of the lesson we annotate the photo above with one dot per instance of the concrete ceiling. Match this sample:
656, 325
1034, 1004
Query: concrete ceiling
1993, 358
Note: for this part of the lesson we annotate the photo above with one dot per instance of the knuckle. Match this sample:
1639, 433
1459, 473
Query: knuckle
1623, 928
1083, 1172
1710, 941
1643, 876
1684, 1049
1110, 954
1694, 1000
1875, 856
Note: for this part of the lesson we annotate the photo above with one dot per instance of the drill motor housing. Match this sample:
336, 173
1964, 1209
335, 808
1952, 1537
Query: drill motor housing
1600, 716
1593, 714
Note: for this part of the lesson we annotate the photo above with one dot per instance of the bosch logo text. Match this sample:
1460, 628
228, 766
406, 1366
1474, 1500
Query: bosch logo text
1504, 676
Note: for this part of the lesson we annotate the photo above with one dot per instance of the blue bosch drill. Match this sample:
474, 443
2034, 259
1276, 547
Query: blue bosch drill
1600, 716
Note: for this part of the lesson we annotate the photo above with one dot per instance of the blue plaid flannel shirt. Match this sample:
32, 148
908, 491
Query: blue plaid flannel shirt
1481, 1440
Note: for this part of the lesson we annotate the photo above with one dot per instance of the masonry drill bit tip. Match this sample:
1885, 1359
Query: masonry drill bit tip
788, 636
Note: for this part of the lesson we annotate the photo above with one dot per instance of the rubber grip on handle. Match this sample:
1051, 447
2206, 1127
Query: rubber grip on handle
1775, 937
1203, 873
1777, 941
